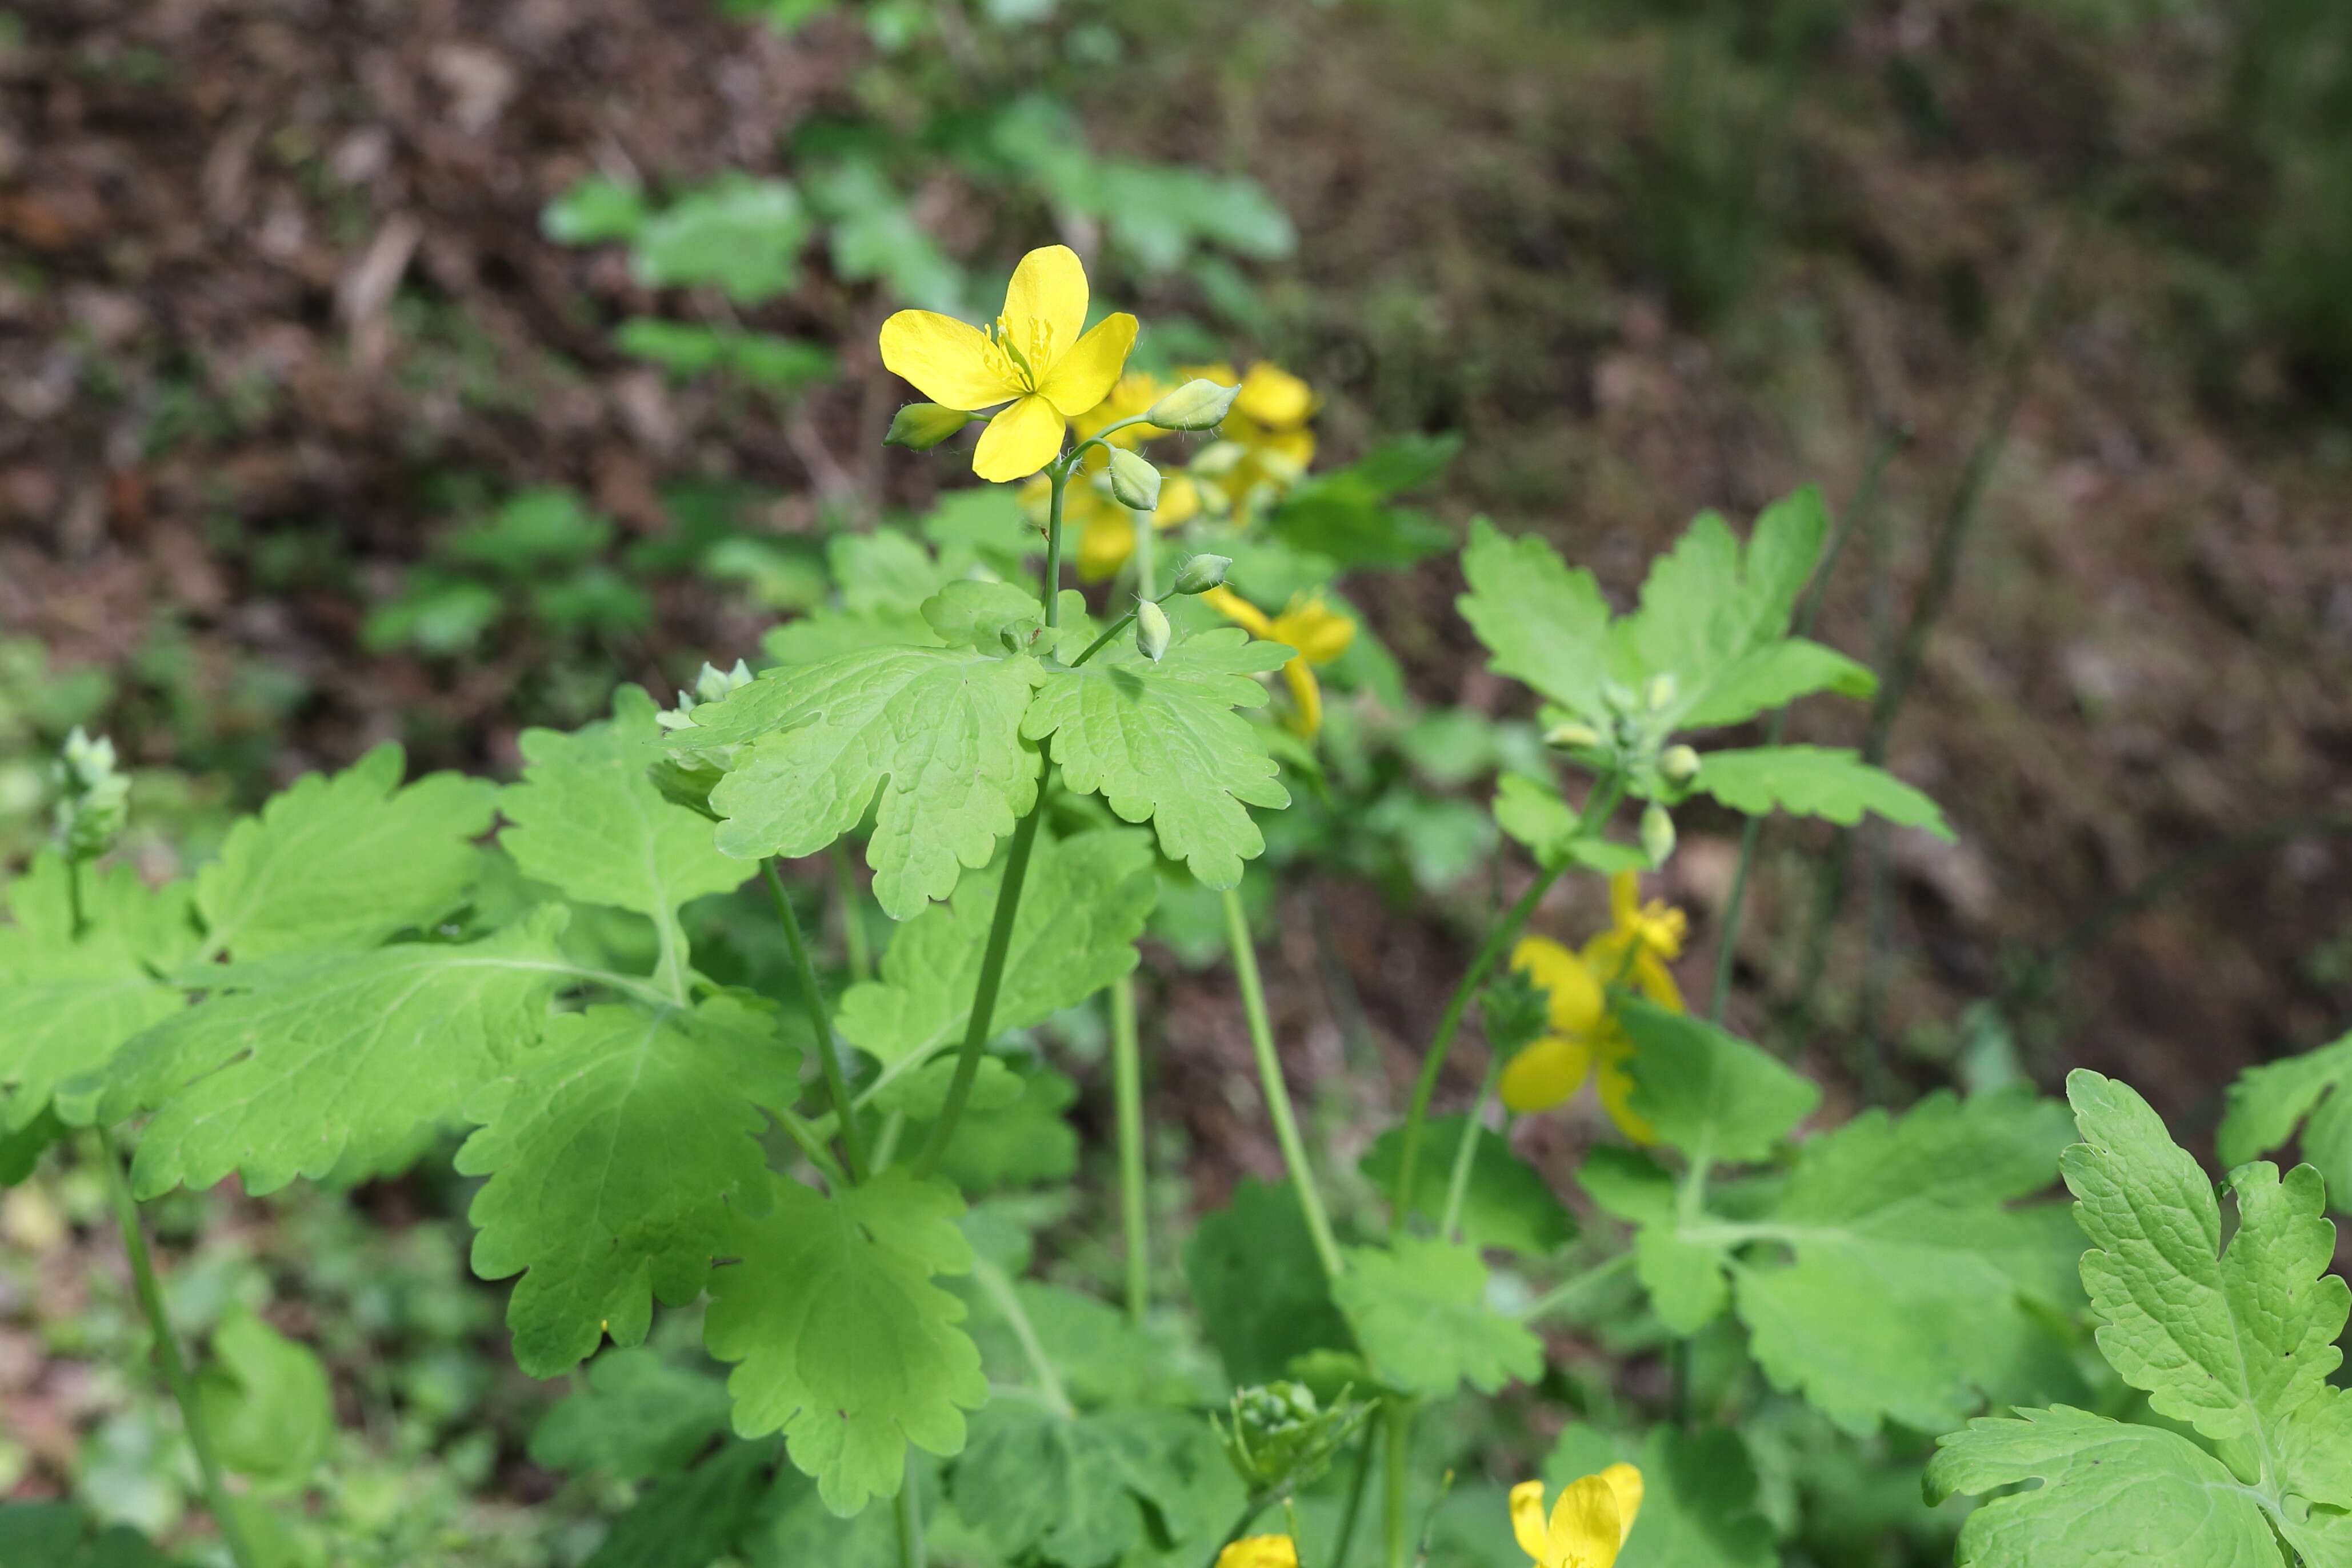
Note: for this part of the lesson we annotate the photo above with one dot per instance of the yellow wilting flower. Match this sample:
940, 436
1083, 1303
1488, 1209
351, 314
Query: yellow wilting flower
1034, 360
1589, 1524
1317, 634
1267, 445
1260, 1552
1588, 1040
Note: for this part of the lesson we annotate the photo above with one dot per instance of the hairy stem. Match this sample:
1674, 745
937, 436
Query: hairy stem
1396, 1526
1466, 1153
1127, 1076
167, 1350
911, 1517
1277, 1094
828, 1049
1358, 1481
1606, 794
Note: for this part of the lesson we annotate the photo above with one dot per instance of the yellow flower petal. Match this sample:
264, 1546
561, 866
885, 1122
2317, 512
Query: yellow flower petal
1586, 1530
948, 361
1306, 696
1577, 1000
1105, 546
1260, 1552
1019, 441
1180, 500
1274, 397
1317, 632
1614, 1086
1238, 610
1655, 981
1528, 1518
1045, 309
1625, 1484
1624, 898
1082, 376
1543, 1075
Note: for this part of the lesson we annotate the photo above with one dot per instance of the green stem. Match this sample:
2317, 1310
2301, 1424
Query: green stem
1358, 1481
1606, 792
1146, 550
1277, 1094
1575, 1285
1865, 504
1396, 1527
79, 921
812, 1145
828, 1049
855, 947
885, 1141
999, 1290
167, 1350
1127, 1076
911, 1517
983, 999
1113, 630
1466, 1153
1058, 475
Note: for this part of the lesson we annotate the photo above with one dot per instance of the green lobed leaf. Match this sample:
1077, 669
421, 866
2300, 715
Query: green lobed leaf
57, 1535
1707, 1092
344, 861
597, 208
1509, 1204
740, 234
936, 731
1815, 781
2269, 1103
1544, 623
265, 1399
1060, 1489
619, 1151
1021, 1143
1160, 740
1081, 908
843, 1342
1532, 812
1699, 1496
1419, 1312
295, 1064
692, 1519
588, 821
71, 1002
639, 1416
1262, 1298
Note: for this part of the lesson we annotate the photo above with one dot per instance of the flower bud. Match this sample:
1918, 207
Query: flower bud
1572, 735
1678, 764
919, 427
1662, 689
93, 799
1151, 630
1202, 573
1657, 833
714, 683
1133, 482
1195, 405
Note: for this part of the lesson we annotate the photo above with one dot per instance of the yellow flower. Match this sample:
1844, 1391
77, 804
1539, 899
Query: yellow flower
1587, 1039
1317, 635
1267, 447
1260, 1552
1034, 360
1589, 1524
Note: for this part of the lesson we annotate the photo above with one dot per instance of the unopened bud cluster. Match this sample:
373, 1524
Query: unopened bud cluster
688, 776
1281, 1438
93, 796
1632, 739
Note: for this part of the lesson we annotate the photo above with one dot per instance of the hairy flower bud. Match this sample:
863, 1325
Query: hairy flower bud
1663, 691
920, 427
1134, 481
1678, 764
1572, 735
1195, 405
1151, 630
1657, 833
1202, 573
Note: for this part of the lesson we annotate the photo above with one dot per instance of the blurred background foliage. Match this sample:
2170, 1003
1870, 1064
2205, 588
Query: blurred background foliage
418, 370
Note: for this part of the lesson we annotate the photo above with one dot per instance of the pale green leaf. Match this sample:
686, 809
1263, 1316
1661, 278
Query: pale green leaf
1544, 623
740, 234
935, 731
297, 1063
587, 820
2268, 1103
2109, 1493
618, 1152
1419, 1312
1699, 1496
1024, 1142
1815, 781
1533, 813
1160, 740
922, 1092
640, 1416
1683, 1277
1101, 1355
1707, 1092
1060, 1489
827, 634
1262, 1298
344, 861
1506, 1204
844, 1344
1082, 907
264, 1400
1771, 676
693, 1519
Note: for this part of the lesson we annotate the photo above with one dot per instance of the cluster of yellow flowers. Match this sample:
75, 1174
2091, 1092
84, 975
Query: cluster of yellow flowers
1048, 377
1588, 1526
1587, 1039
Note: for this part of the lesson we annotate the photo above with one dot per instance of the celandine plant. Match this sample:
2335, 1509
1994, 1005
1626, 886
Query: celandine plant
824, 1166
